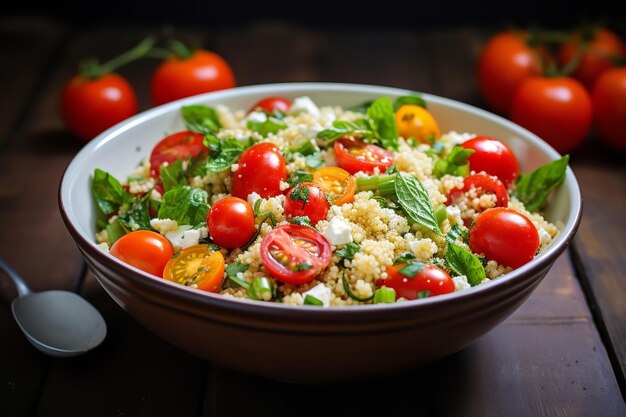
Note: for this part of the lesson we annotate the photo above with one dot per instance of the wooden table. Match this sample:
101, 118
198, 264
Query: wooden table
562, 353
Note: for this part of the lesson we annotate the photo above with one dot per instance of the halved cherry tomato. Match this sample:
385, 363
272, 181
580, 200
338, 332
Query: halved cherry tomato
505, 236
196, 267
306, 199
295, 254
337, 183
483, 184
354, 155
269, 104
493, 157
144, 249
261, 168
429, 280
184, 145
416, 122
231, 222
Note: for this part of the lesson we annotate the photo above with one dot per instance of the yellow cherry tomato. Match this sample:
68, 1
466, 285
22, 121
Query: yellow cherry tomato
416, 122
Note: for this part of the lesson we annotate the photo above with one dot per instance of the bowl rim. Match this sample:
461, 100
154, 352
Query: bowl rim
245, 306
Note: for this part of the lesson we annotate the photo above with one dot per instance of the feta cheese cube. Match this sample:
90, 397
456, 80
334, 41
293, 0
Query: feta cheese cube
338, 232
304, 105
321, 292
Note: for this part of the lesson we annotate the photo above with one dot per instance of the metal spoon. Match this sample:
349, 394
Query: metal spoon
58, 323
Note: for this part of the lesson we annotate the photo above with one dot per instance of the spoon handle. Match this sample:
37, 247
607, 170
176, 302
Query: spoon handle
22, 288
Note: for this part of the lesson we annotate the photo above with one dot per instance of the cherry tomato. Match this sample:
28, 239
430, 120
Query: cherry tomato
505, 61
354, 155
493, 157
416, 122
202, 72
306, 199
558, 110
89, 107
609, 108
196, 267
261, 170
270, 104
231, 222
144, 249
599, 54
184, 145
337, 183
473, 187
295, 254
505, 236
430, 280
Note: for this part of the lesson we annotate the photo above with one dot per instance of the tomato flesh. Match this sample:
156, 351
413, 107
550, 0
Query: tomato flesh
337, 183
185, 145
354, 155
196, 267
271, 104
261, 169
231, 222
429, 281
145, 250
295, 254
493, 157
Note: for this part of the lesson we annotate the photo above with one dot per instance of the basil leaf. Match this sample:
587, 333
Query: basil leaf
455, 233
298, 176
269, 125
172, 175
348, 251
232, 270
414, 200
307, 147
384, 119
108, 192
410, 270
404, 258
312, 301
415, 99
464, 262
115, 231
135, 215
314, 161
300, 193
455, 163
184, 204
339, 128
224, 152
533, 189
201, 119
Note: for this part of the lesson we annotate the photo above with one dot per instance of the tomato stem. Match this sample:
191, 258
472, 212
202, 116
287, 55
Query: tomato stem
92, 69
179, 49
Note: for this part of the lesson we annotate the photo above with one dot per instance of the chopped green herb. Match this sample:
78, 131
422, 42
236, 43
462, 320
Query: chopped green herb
314, 161
349, 293
301, 267
301, 221
309, 300
348, 251
232, 270
107, 192
172, 175
464, 262
414, 200
360, 127
269, 125
404, 258
300, 193
298, 176
184, 204
411, 270
224, 152
534, 188
455, 163
457, 232
384, 120
201, 119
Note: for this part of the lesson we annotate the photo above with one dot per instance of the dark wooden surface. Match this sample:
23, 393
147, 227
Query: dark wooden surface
562, 353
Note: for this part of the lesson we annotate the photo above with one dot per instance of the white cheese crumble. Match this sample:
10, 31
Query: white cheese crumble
544, 237
460, 283
338, 232
304, 105
255, 116
163, 225
252, 198
321, 292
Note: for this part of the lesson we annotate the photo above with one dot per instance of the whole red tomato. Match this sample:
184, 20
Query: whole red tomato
556, 109
505, 61
609, 108
261, 169
598, 54
231, 222
201, 72
90, 106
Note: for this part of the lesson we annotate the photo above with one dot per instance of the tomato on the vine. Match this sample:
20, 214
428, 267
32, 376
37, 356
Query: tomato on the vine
271, 104
493, 157
416, 122
505, 61
260, 169
143, 249
231, 222
200, 72
354, 155
90, 106
609, 108
505, 236
196, 267
337, 183
295, 254
557, 109
306, 199
185, 144
418, 280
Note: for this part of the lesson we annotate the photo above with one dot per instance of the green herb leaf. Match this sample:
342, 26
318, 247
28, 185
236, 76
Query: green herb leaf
300, 193
455, 163
299, 176
134, 215
410, 270
348, 251
409, 99
201, 119
404, 258
436, 148
361, 128
307, 147
224, 152
414, 200
349, 293
423, 294
232, 270
108, 192
172, 175
464, 262
186, 205
301, 221
383, 117
302, 267
457, 232
533, 189
115, 231
314, 161
312, 301
269, 125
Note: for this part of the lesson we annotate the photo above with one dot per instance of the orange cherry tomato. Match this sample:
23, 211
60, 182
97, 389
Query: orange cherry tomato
609, 108
196, 267
202, 72
90, 106
598, 54
416, 122
505, 61
144, 249
338, 184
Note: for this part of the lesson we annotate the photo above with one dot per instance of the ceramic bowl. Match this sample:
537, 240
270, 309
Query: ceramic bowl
307, 344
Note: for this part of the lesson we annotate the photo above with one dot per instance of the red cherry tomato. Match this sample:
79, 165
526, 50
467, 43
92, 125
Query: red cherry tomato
354, 155
89, 107
505, 236
202, 72
261, 168
184, 145
295, 254
600, 54
270, 104
429, 280
558, 110
505, 61
143, 249
475, 186
307, 199
231, 222
494, 158
609, 108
